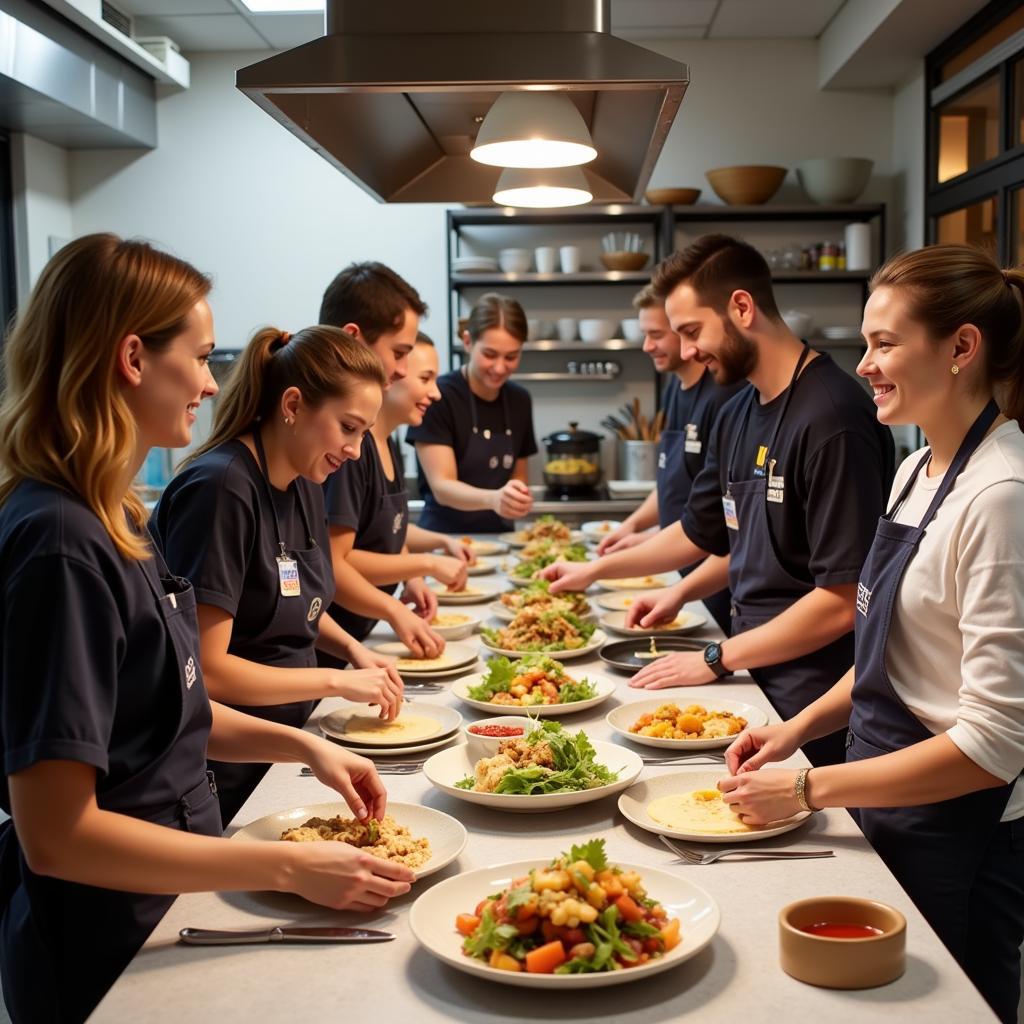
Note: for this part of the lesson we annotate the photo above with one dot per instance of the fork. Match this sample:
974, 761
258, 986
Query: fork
390, 768
697, 857
661, 762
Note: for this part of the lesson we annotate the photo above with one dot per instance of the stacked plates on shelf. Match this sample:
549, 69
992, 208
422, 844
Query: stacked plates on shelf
417, 727
456, 660
475, 265
841, 333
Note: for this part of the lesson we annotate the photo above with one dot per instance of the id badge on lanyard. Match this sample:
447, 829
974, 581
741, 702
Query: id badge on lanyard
288, 576
729, 508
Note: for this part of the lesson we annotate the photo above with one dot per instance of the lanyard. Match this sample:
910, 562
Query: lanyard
472, 406
778, 420
262, 457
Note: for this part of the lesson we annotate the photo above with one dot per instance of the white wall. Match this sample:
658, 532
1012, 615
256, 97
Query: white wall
42, 204
233, 192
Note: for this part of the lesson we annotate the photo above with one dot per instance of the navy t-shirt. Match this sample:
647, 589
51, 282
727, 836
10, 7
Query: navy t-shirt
88, 670
355, 494
450, 422
836, 462
215, 526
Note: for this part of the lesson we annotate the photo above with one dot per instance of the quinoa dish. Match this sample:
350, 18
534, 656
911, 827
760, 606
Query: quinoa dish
385, 839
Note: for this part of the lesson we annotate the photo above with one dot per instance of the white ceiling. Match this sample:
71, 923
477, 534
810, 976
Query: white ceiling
197, 25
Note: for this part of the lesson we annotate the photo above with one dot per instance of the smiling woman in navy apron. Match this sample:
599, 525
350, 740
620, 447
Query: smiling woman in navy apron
106, 720
936, 725
244, 520
473, 445
368, 515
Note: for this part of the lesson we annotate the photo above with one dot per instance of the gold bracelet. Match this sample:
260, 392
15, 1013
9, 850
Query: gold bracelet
800, 791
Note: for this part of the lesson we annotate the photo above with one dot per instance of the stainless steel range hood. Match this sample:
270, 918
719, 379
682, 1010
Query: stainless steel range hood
393, 94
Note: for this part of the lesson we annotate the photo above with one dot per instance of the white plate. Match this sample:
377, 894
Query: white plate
432, 920
516, 539
414, 678
617, 601
483, 566
652, 582
520, 581
460, 630
478, 593
457, 655
605, 688
633, 805
483, 547
375, 752
334, 723
630, 488
446, 767
597, 639
447, 836
501, 611
622, 717
685, 622
598, 529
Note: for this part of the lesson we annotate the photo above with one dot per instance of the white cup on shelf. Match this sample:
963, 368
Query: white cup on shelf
544, 257
567, 328
570, 259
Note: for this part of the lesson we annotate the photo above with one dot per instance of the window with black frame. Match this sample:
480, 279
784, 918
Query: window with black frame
975, 166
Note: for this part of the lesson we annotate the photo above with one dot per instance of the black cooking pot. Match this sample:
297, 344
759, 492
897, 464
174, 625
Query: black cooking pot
573, 458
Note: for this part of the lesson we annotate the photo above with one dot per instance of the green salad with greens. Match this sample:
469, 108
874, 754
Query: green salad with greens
535, 630
551, 552
548, 760
531, 681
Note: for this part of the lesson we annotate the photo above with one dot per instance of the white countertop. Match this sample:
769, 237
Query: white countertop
737, 978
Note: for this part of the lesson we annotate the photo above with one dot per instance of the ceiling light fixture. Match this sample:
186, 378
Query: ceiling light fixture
533, 129
542, 188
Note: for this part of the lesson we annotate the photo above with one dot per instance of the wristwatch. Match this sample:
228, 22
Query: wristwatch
713, 660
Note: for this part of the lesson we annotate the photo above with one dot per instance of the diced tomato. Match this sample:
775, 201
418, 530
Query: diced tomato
544, 959
654, 944
629, 909
527, 926
573, 936
670, 934
466, 924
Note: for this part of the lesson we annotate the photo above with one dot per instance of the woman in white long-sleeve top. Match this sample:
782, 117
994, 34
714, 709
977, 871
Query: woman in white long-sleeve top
935, 702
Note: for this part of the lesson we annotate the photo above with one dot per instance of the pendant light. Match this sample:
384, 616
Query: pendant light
533, 129
542, 188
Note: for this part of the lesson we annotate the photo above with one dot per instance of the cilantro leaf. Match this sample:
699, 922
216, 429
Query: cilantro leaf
592, 852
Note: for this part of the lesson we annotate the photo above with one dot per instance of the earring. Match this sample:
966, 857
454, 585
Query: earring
288, 421
954, 369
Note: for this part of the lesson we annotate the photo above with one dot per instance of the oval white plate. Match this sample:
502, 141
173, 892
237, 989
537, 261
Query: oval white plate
652, 582
621, 718
446, 767
686, 622
597, 639
376, 752
475, 593
334, 723
598, 529
605, 688
447, 835
617, 601
517, 540
432, 920
501, 611
457, 655
633, 805
482, 566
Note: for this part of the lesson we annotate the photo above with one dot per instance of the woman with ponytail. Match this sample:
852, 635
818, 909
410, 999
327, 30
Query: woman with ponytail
934, 704
106, 721
244, 521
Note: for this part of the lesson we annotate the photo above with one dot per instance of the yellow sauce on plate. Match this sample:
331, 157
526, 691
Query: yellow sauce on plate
703, 810
365, 729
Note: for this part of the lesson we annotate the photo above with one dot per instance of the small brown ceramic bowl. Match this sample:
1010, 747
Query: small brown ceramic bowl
829, 962
672, 196
624, 260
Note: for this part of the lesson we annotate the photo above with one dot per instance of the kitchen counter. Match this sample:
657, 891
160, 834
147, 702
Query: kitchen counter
573, 510
736, 978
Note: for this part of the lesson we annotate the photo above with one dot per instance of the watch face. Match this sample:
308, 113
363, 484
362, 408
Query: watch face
712, 653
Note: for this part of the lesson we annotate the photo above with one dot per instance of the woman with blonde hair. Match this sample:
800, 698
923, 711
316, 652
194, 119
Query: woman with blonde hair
244, 521
106, 722
934, 704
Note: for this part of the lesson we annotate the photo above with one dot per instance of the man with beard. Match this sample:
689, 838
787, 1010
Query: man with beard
796, 477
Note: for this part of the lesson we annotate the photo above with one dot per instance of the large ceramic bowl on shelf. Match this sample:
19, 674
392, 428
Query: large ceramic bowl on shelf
595, 331
624, 260
746, 185
834, 179
672, 196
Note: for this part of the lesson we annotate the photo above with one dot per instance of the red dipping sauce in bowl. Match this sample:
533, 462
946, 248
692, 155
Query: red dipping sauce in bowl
500, 731
839, 930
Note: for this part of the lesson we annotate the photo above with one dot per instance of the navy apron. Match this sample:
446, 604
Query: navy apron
674, 482
385, 535
962, 867
488, 463
297, 616
762, 588
64, 944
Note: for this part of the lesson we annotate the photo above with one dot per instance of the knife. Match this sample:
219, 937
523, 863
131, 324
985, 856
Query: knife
214, 937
